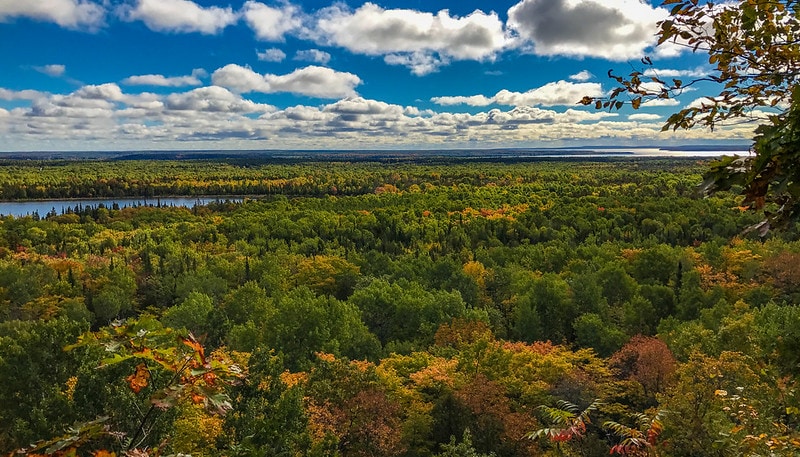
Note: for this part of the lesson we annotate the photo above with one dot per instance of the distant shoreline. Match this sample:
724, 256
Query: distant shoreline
513, 154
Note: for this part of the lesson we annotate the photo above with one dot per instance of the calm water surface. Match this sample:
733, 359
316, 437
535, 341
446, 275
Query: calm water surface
42, 207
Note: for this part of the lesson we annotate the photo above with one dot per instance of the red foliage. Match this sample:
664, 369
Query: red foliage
489, 403
646, 360
784, 269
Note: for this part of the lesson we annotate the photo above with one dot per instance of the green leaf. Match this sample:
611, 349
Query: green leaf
115, 359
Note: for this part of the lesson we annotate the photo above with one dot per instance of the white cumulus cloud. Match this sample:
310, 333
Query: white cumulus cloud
313, 55
582, 76
54, 70
240, 79
88, 102
269, 23
213, 99
551, 94
179, 16
166, 81
644, 117
271, 55
360, 106
316, 82
609, 29
312, 81
673, 73
659, 102
420, 63
108, 91
409, 37
66, 13
27, 94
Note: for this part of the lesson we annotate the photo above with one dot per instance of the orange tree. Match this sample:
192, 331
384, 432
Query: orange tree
754, 49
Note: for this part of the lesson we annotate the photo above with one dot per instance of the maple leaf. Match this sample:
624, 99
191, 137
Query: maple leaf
196, 346
139, 380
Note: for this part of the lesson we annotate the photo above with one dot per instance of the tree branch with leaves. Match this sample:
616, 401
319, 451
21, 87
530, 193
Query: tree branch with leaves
641, 440
177, 359
753, 47
569, 423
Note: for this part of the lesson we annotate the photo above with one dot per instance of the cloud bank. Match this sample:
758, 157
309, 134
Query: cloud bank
166, 81
105, 114
560, 93
311, 81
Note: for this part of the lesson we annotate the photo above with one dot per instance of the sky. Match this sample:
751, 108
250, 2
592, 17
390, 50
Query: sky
290, 74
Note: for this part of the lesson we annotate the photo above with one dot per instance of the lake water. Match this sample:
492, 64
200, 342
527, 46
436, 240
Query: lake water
42, 207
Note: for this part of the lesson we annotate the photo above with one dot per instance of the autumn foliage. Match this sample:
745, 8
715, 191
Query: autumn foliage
474, 308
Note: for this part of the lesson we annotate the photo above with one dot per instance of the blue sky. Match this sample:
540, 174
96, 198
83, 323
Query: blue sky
180, 74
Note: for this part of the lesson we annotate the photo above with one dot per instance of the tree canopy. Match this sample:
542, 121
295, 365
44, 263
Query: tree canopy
413, 323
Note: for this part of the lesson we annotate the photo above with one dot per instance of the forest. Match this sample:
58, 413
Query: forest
396, 308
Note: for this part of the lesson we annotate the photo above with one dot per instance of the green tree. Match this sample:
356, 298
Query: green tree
655, 265
587, 294
192, 314
462, 449
35, 386
716, 404
639, 316
618, 286
545, 311
778, 336
267, 416
404, 311
592, 332
247, 303
304, 324
115, 295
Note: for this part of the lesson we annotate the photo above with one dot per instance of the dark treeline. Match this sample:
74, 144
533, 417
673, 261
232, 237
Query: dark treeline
416, 310
139, 178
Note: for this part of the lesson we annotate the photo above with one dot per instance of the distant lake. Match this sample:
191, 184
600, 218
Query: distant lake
42, 207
